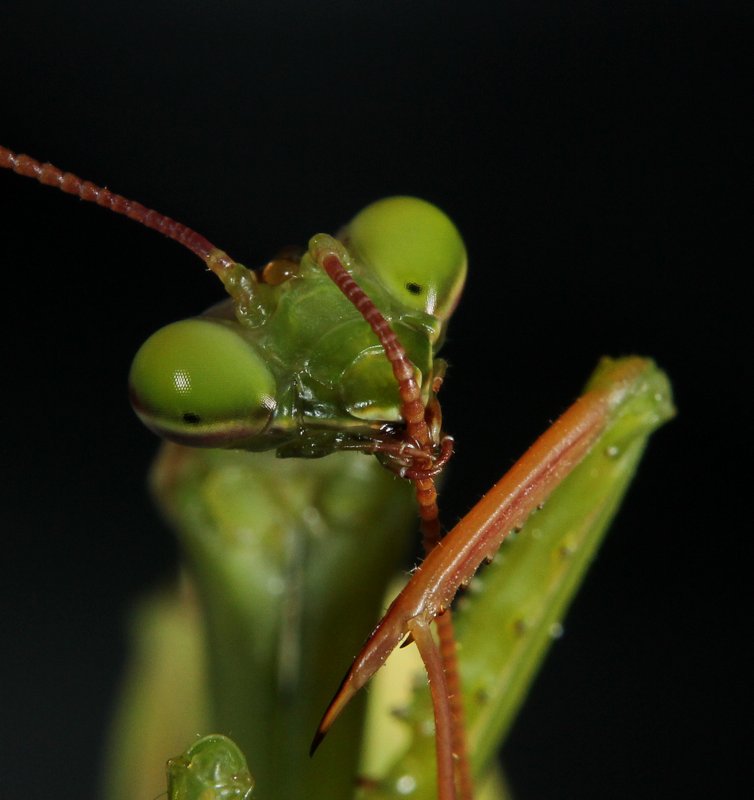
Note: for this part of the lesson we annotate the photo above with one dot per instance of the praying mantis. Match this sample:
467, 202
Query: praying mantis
283, 601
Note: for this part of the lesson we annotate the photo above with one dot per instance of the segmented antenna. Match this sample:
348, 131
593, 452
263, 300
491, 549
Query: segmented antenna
450, 727
237, 279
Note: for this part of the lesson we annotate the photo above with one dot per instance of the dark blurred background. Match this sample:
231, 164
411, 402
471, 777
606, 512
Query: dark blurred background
588, 152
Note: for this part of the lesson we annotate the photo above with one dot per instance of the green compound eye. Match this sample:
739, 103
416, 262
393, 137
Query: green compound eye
199, 382
414, 249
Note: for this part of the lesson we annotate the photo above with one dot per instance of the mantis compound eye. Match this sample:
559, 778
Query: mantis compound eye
199, 382
415, 251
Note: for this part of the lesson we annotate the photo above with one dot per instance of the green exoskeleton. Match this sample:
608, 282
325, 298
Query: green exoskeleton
291, 366
329, 352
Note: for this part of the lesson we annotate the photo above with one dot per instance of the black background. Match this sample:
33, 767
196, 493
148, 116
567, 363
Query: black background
587, 151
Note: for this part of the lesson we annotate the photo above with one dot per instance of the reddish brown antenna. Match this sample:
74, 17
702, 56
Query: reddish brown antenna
442, 666
237, 279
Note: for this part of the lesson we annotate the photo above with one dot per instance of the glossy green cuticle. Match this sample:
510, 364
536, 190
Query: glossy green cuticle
198, 373
415, 251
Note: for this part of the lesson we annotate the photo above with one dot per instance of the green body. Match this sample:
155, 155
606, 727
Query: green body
328, 533
288, 561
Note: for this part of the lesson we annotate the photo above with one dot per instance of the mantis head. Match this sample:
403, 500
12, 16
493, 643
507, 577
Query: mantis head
217, 380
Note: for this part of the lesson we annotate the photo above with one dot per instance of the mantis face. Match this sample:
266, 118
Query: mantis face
312, 369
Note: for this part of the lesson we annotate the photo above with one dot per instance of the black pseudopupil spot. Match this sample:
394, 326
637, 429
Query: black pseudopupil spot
191, 419
414, 288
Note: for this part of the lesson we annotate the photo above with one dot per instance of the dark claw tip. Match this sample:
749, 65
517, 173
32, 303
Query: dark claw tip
318, 737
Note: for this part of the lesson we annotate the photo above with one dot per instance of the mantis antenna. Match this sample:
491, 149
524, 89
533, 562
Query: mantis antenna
237, 279
442, 664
